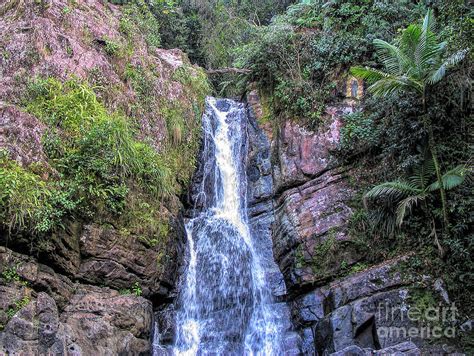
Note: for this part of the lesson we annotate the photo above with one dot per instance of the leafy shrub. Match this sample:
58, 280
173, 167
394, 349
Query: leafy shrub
70, 106
28, 203
23, 195
112, 48
299, 57
95, 154
359, 132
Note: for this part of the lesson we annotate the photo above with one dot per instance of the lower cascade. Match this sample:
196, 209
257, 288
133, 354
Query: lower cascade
225, 305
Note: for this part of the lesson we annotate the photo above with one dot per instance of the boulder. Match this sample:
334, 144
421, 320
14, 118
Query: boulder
96, 321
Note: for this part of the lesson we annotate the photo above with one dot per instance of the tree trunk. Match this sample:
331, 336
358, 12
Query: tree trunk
434, 155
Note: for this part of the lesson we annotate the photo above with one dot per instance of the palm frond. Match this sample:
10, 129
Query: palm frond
391, 85
429, 22
370, 75
438, 74
423, 173
392, 57
451, 61
407, 205
383, 220
428, 52
409, 41
457, 57
394, 190
452, 178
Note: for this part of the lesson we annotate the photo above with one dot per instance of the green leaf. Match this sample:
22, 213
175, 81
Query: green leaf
452, 179
395, 190
406, 205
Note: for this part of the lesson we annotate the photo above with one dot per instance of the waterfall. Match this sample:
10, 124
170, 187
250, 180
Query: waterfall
224, 305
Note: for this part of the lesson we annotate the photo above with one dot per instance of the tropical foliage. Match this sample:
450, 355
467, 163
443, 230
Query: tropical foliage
404, 195
415, 64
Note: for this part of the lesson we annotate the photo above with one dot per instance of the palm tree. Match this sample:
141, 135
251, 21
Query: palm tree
406, 194
414, 64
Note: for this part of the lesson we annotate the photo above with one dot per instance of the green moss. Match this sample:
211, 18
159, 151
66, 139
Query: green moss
141, 79
359, 267
267, 109
424, 300
323, 256
135, 289
10, 275
12, 310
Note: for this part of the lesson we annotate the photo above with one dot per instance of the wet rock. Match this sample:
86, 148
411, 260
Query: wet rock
291, 344
166, 320
260, 199
350, 351
307, 341
367, 309
404, 348
310, 308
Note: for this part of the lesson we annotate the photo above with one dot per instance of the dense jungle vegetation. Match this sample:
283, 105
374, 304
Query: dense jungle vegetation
409, 140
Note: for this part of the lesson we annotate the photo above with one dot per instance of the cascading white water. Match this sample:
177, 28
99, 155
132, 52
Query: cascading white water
224, 304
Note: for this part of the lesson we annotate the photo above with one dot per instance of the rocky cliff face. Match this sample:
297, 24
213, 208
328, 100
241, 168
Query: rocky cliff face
90, 288
339, 305
48, 313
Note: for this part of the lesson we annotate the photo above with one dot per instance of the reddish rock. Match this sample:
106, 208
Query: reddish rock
302, 154
311, 197
20, 135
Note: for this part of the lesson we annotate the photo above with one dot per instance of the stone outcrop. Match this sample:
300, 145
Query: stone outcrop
119, 261
103, 256
44, 312
404, 348
334, 311
311, 193
355, 310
